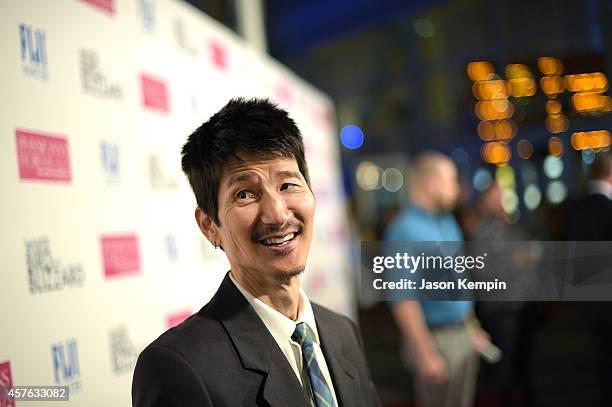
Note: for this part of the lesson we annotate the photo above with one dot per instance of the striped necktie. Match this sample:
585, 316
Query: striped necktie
321, 392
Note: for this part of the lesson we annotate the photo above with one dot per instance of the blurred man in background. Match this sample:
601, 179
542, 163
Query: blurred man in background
439, 340
508, 322
591, 220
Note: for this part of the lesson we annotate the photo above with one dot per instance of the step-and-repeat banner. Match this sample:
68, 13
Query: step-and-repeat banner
100, 250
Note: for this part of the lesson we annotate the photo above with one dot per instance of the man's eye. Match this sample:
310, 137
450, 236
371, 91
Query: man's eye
286, 186
244, 194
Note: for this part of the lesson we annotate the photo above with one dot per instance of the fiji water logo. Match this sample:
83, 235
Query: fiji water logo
123, 351
6, 381
46, 273
109, 159
66, 370
33, 46
146, 11
171, 248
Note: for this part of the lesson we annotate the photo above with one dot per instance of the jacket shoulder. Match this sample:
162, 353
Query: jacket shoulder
200, 329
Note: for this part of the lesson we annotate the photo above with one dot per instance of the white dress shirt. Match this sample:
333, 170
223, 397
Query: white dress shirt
282, 328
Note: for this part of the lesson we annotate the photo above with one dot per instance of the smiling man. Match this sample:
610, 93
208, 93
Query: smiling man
259, 341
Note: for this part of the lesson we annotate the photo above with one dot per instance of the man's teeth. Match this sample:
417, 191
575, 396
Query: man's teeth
279, 239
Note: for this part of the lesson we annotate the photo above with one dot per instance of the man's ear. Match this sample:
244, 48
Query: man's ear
207, 226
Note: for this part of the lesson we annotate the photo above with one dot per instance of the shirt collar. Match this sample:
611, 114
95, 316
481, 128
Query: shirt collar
278, 324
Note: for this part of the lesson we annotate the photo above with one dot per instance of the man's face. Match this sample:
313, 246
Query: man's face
266, 214
492, 201
446, 186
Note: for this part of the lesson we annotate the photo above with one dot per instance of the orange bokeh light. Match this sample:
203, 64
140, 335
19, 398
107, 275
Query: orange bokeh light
553, 107
495, 153
491, 90
556, 123
555, 146
550, 66
480, 71
594, 140
524, 149
587, 82
552, 85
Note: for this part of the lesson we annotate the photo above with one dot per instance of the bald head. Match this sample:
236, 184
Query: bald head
434, 182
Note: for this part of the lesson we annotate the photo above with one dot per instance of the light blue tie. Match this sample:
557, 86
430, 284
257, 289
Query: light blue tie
321, 392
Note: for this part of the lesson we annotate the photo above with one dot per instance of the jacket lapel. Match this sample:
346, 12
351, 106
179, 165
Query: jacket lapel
256, 347
344, 374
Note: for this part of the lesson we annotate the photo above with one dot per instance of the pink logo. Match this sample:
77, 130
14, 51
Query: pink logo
105, 5
6, 380
120, 255
176, 318
42, 157
154, 93
218, 55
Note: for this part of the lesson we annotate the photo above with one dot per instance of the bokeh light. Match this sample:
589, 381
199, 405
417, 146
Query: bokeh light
460, 156
555, 146
524, 149
588, 156
351, 136
553, 107
509, 200
587, 82
392, 179
556, 192
556, 123
550, 66
495, 153
591, 140
529, 174
532, 197
424, 28
368, 176
480, 71
482, 179
505, 177
553, 167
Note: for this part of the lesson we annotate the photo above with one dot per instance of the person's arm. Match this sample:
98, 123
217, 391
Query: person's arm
478, 336
429, 363
163, 378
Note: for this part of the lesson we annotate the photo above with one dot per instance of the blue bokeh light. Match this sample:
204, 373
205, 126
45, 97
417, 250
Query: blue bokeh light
351, 136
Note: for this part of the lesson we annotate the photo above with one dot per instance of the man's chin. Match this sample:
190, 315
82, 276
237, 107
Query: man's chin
284, 276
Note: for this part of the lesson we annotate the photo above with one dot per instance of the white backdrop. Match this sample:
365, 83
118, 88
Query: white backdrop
100, 252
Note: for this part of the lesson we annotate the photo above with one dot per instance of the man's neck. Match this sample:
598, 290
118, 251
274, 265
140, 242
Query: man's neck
424, 203
284, 297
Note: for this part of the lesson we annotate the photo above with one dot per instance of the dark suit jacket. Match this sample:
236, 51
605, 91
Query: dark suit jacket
591, 220
224, 356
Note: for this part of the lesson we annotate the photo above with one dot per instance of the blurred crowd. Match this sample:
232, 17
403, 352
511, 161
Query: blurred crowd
548, 353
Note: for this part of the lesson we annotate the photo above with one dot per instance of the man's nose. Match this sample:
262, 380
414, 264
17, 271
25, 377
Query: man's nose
273, 209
